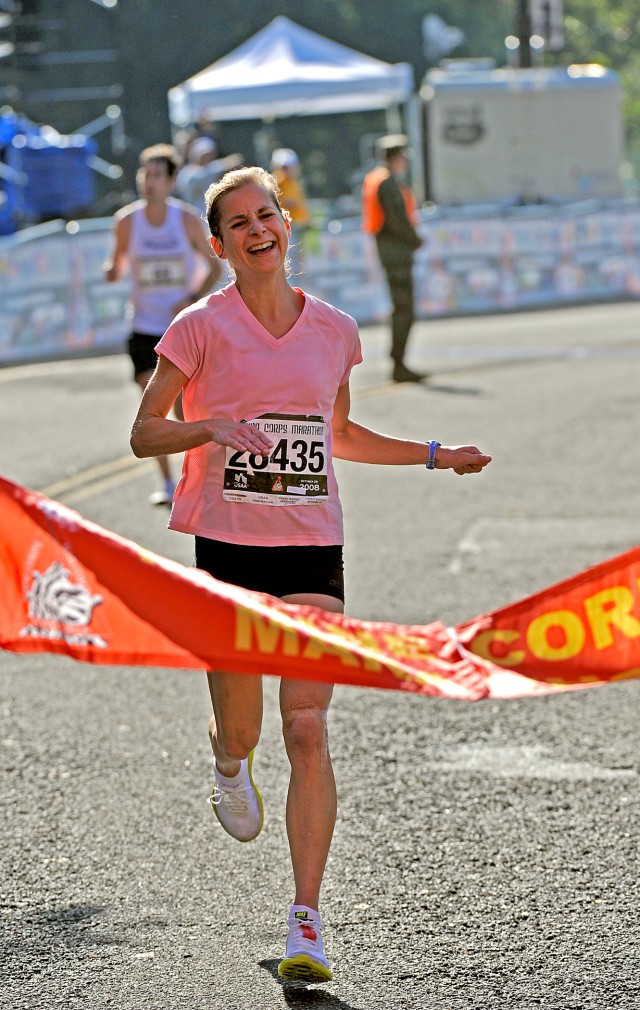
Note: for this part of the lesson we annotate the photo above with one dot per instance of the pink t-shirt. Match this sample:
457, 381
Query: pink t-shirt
238, 370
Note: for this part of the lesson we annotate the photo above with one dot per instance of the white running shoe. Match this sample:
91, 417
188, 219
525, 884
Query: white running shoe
237, 803
165, 495
305, 960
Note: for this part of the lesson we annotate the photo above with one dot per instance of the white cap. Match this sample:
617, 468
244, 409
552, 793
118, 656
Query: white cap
201, 146
284, 157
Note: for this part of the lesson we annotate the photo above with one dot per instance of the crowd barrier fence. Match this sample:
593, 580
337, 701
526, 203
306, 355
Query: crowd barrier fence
56, 303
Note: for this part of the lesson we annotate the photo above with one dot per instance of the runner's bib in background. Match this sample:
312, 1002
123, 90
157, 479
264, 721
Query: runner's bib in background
294, 472
162, 272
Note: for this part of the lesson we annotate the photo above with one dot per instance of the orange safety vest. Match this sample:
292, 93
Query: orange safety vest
372, 213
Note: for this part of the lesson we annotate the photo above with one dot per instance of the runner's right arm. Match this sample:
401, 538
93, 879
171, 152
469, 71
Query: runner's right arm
153, 434
115, 268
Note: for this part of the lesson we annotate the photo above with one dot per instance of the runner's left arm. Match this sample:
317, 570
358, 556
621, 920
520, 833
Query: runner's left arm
354, 442
200, 243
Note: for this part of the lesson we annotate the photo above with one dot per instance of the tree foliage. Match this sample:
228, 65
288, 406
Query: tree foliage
605, 31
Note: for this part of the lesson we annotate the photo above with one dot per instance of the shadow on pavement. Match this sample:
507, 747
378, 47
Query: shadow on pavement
73, 926
299, 997
438, 387
76, 925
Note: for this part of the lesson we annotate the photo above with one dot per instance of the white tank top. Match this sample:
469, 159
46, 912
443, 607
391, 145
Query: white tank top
163, 263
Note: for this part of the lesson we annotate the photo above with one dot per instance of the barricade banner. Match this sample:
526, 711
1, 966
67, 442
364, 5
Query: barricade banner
68, 586
56, 302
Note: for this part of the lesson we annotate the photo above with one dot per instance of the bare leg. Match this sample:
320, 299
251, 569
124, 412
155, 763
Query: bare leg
163, 463
234, 727
311, 801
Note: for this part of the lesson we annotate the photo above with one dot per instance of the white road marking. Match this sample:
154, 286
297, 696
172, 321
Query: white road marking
473, 542
526, 762
507, 535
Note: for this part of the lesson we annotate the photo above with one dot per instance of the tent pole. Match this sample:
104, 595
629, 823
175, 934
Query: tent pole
393, 119
416, 145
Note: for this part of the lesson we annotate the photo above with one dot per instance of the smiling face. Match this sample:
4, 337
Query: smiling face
253, 234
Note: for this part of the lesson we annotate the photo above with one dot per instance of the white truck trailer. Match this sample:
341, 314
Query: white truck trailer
522, 135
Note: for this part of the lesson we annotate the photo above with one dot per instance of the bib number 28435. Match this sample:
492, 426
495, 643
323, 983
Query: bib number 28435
294, 472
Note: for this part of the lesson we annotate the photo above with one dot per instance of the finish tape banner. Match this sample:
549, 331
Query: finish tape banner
68, 586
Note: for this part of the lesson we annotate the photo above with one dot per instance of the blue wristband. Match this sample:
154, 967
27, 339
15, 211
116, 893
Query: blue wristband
431, 462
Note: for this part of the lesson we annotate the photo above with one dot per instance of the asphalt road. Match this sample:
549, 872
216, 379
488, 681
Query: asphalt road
486, 855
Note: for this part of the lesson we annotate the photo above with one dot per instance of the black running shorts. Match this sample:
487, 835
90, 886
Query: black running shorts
141, 348
279, 571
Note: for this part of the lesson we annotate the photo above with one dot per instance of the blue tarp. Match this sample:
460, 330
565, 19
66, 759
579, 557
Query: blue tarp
11, 180
43, 174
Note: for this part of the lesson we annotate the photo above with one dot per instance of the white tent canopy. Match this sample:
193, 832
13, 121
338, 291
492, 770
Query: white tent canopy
287, 70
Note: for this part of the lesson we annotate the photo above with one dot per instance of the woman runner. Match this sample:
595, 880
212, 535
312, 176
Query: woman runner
264, 373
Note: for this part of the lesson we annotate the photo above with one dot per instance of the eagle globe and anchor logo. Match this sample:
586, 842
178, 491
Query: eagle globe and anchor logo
60, 607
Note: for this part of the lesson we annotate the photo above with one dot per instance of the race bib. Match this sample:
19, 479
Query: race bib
294, 472
162, 272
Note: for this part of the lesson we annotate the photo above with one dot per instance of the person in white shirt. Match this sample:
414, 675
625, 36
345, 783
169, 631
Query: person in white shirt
163, 244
